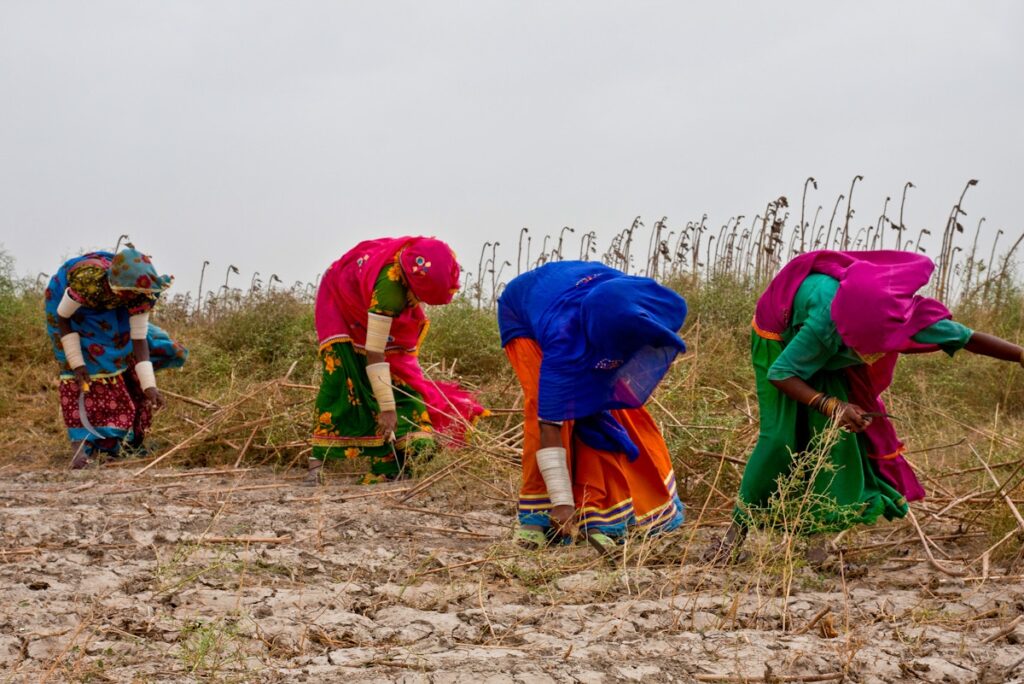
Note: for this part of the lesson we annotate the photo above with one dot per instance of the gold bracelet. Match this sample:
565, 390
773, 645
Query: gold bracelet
826, 405
831, 407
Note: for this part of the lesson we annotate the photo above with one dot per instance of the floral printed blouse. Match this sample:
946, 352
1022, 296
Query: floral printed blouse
391, 294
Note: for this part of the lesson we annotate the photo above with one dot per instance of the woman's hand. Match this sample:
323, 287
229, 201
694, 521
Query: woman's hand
563, 519
82, 378
387, 421
155, 399
852, 417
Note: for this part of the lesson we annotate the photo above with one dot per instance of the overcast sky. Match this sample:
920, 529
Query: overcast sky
275, 135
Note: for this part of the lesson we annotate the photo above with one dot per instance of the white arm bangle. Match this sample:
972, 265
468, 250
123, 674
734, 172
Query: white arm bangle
147, 378
380, 381
72, 344
555, 471
67, 306
377, 330
139, 325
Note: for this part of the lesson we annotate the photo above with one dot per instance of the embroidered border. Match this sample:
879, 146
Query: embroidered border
764, 333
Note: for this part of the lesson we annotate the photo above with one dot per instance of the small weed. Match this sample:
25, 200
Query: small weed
205, 648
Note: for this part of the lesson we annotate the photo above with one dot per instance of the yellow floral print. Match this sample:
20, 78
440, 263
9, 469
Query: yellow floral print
325, 418
352, 452
331, 363
353, 400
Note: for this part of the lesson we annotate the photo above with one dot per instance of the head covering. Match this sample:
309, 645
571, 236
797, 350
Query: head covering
876, 308
623, 316
431, 270
607, 338
131, 270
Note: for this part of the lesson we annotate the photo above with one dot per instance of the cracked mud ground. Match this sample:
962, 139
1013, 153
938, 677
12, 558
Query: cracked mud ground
251, 577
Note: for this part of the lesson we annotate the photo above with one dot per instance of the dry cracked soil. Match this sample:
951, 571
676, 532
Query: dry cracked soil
180, 576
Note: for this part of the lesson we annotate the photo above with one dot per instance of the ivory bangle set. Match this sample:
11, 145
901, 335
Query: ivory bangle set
380, 381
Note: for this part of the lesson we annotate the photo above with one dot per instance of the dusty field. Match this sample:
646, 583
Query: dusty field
105, 578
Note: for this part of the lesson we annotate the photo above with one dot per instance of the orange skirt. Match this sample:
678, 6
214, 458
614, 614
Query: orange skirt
611, 492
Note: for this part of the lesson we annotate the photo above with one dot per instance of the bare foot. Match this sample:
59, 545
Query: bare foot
315, 476
79, 457
723, 551
821, 559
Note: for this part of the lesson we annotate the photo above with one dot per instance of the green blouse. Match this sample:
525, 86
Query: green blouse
391, 295
812, 342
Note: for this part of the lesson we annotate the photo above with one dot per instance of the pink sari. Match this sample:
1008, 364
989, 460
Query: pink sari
432, 272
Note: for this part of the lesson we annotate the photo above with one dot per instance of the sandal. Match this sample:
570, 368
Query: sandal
603, 544
531, 539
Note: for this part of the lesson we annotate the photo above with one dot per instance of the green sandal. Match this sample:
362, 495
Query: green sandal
531, 539
603, 544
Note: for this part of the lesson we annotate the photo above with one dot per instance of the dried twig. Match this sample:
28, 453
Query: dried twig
467, 564
927, 549
814, 620
240, 540
722, 457
201, 473
189, 400
1004, 631
999, 490
769, 677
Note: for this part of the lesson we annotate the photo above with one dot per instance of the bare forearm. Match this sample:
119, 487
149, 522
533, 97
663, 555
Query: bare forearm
550, 435
848, 415
796, 389
140, 348
994, 347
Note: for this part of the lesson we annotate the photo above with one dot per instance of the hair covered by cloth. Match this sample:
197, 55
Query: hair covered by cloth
607, 338
431, 270
131, 270
628, 339
876, 308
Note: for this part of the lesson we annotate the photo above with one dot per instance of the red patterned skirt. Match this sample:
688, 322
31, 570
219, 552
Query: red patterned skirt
115, 407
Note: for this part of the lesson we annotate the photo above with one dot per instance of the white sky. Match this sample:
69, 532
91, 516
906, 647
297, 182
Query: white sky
275, 135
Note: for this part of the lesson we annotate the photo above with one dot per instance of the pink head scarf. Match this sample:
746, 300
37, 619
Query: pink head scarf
876, 309
430, 270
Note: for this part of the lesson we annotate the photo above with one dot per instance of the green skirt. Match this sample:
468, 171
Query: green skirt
798, 479
346, 416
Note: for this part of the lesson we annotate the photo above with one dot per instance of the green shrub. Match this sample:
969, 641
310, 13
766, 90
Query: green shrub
265, 334
467, 336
